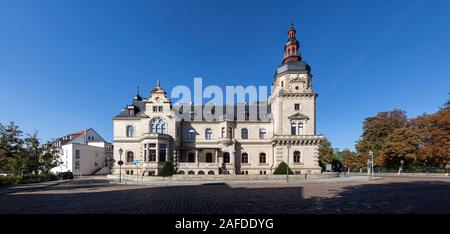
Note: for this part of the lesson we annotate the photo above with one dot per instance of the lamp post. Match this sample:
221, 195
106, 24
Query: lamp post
287, 163
120, 165
371, 163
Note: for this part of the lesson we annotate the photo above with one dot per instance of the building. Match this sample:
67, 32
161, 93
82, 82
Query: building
152, 131
83, 153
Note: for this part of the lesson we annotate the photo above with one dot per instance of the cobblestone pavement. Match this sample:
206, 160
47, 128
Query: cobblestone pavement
385, 195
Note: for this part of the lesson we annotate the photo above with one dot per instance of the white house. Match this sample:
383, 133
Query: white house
83, 153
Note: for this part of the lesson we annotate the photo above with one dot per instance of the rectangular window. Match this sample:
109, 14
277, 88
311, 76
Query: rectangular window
77, 154
155, 109
293, 129
152, 145
162, 152
160, 108
297, 106
152, 155
300, 128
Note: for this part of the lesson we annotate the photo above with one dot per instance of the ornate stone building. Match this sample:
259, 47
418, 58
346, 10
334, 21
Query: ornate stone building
150, 130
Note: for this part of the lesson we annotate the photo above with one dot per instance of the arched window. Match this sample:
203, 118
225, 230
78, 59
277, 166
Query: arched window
244, 133
293, 128
262, 133
209, 158
191, 134
191, 173
158, 125
130, 157
191, 157
223, 132
201, 172
297, 157
210, 172
130, 131
181, 172
208, 134
226, 157
262, 158
244, 158
300, 128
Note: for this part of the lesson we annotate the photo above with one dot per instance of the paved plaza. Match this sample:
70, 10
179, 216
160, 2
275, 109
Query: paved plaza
99, 195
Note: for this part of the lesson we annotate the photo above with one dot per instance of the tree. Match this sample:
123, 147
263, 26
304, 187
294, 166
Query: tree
326, 154
167, 169
376, 129
48, 160
281, 169
446, 105
352, 160
11, 148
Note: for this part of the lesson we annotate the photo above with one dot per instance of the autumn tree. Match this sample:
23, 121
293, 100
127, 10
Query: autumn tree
376, 130
352, 160
326, 154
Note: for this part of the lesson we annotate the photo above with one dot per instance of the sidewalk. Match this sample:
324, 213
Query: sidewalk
169, 182
31, 186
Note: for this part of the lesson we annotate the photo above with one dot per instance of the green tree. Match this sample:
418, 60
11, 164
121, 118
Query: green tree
167, 169
11, 148
446, 105
326, 153
48, 160
281, 169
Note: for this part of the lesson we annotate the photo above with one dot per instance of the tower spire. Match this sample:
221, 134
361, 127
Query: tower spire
157, 84
137, 97
291, 48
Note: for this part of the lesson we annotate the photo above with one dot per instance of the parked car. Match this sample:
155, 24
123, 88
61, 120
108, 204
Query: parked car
68, 175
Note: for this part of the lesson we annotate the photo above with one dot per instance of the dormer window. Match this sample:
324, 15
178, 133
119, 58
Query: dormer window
160, 108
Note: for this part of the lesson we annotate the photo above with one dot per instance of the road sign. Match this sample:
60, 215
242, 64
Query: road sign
136, 161
120, 163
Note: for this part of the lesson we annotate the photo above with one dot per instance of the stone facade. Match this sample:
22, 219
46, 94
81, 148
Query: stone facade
152, 131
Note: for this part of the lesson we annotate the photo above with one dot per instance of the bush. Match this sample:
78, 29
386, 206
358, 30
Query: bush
281, 169
8, 180
167, 169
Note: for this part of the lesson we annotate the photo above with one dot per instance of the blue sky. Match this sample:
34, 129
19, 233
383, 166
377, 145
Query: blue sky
68, 65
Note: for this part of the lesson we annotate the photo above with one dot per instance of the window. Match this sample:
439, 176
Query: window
145, 155
300, 128
191, 157
297, 106
262, 158
230, 132
282, 83
130, 131
152, 155
130, 157
244, 158
160, 108
244, 133
297, 157
293, 128
77, 154
162, 152
77, 165
208, 134
226, 157
262, 133
158, 125
191, 134
209, 158
223, 132
155, 109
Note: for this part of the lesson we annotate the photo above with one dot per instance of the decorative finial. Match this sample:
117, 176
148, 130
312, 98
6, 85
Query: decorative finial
292, 23
137, 90
157, 83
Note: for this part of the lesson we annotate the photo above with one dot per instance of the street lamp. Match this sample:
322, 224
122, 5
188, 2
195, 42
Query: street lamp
120, 164
371, 162
287, 163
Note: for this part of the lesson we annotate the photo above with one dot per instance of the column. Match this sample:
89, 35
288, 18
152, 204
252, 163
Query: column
233, 162
217, 157
196, 157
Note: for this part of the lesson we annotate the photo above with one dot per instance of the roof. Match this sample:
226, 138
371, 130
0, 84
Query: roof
299, 66
178, 109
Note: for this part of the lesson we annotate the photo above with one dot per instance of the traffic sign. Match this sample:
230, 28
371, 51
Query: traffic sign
136, 161
120, 162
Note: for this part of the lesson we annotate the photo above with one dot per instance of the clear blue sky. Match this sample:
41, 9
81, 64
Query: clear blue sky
68, 65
